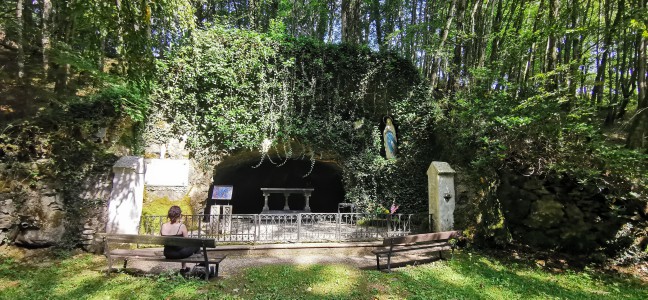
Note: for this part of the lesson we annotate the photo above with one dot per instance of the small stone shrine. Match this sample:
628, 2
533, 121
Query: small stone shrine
441, 191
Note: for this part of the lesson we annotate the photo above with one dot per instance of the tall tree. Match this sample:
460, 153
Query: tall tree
638, 130
20, 39
351, 21
46, 35
436, 59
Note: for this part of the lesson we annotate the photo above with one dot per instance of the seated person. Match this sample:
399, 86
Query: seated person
175, 228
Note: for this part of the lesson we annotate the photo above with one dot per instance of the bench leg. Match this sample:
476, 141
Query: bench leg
389, 262
109, 265
206, 262
107, 252
377, 262
216, 271
125, 262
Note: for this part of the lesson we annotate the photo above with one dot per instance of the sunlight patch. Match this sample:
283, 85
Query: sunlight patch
335, 280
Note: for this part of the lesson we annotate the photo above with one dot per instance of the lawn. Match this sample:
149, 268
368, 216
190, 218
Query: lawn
468, 276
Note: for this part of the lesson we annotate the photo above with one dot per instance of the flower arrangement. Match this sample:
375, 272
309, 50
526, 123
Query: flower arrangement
394, 207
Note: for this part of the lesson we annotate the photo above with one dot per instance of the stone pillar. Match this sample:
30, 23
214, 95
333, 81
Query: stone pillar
286, 207
127, 195
265, 202
441, 196
307, 196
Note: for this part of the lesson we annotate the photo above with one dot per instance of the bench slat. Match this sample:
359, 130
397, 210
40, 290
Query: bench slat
437, 241
410, 247
434, 249
421, 238
211, 260
160, 240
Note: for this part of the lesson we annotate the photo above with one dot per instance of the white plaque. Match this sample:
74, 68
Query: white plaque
167, 172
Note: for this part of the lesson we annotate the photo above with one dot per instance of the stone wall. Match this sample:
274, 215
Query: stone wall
35, 216
96, 190
557, 213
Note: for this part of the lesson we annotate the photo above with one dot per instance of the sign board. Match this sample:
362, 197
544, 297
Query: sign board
222, 192
167, 172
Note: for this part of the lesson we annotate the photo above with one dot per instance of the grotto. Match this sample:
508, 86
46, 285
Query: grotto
247, 177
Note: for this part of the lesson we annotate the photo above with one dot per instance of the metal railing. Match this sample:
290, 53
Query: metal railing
302, 227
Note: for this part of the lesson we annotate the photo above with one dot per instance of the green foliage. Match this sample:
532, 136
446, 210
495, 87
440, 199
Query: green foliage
230, 90
127, 98
538, 136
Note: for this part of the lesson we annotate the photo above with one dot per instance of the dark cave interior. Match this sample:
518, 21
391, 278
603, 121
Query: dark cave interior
247, 198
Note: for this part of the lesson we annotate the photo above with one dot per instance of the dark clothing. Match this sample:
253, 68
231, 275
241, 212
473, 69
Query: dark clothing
178, 252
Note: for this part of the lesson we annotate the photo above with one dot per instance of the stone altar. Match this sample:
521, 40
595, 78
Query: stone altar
286, 192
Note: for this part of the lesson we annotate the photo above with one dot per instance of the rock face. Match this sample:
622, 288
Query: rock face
558, 213
36, 218
96, 189
8, 219
42, 219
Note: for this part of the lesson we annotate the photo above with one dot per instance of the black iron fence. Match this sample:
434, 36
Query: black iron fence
301, 227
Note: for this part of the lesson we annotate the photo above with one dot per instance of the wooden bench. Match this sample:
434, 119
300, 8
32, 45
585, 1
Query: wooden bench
437, 241
139, 254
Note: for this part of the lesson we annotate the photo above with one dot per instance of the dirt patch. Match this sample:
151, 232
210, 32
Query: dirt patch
639, 270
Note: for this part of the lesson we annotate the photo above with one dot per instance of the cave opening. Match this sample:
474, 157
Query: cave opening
248, 179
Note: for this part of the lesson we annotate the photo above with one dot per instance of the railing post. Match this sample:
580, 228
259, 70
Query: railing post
257, 229
199, 226
299, 220
338, 235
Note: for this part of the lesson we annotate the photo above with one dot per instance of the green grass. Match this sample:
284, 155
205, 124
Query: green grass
468, 276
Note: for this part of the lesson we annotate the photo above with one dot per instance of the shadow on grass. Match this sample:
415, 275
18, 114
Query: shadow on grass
84, 277
465, 277
402, 263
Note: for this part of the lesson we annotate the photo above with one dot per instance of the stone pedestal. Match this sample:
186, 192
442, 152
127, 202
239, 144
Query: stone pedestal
127, 195
441, 196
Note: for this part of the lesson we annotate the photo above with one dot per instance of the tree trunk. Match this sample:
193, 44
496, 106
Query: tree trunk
252, 12
638, 130
530, 66
551, 51
599, 82
45, 38
628, 85
455, 70
120, 38
572, 56
351, 21
444, 36
20, 40
377, 18
497, 22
